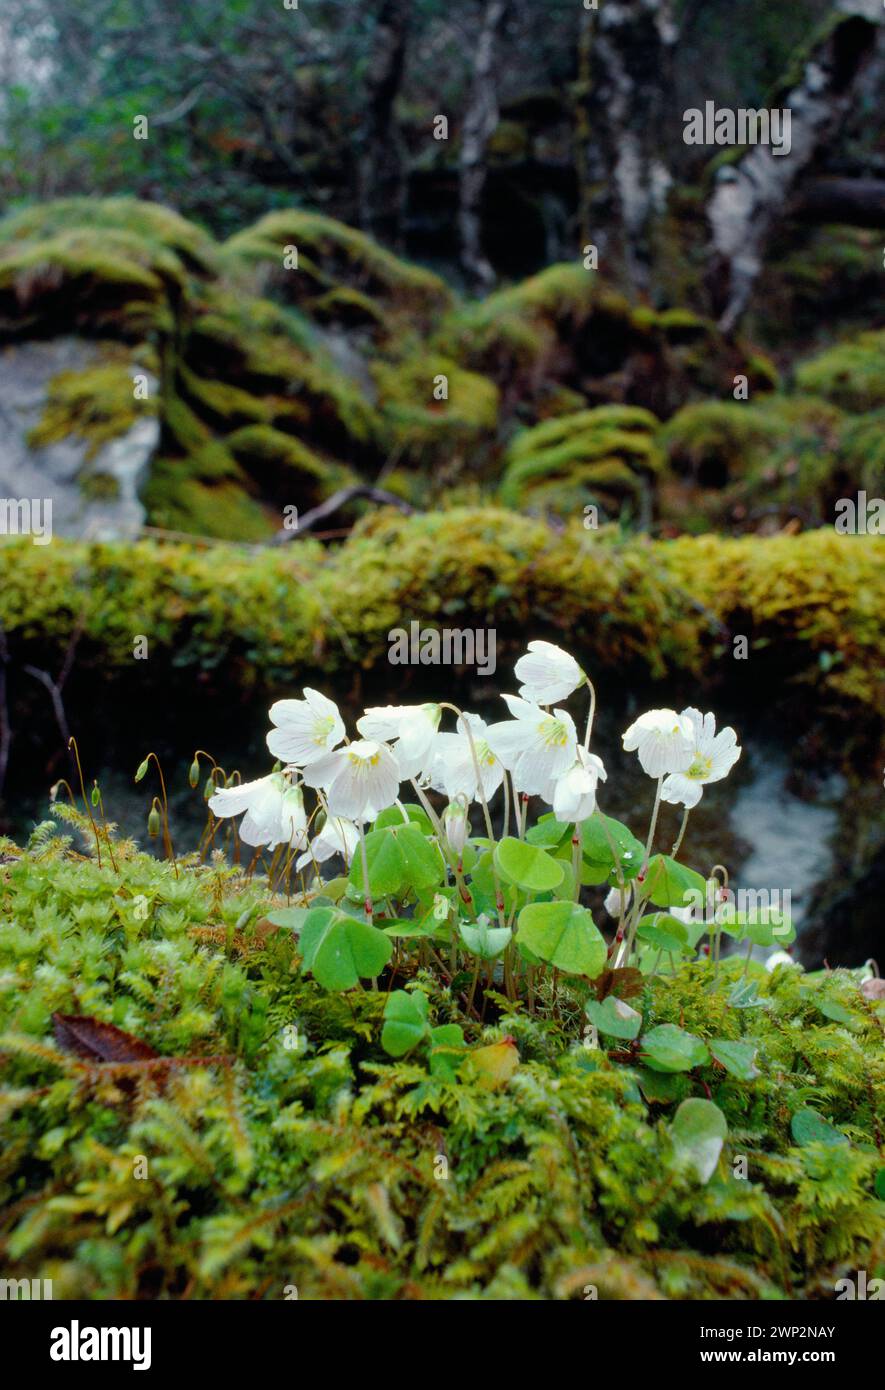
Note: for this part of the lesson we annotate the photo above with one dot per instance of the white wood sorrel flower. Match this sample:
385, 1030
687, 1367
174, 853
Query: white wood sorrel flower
414, 727
574, 794
274, 811
713, 757
456, 825
536, 747
306, 729
664, 741
453, 770
547, 674
360, 780
336, 837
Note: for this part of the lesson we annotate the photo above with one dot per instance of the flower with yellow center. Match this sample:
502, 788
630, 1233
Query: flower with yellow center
360, 780
713, 757
453, 770
414, 729
534, 746
306, 729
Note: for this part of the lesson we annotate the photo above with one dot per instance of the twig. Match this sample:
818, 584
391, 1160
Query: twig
338, 500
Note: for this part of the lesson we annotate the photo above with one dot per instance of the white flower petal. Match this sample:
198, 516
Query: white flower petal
547, 673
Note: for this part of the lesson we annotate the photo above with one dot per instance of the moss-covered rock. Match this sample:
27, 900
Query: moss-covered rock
338, 268
274, 380
852, 374
607, 457
809, 604
738, 460
96, 403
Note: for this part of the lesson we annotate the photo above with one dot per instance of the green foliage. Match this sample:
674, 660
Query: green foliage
302, 1152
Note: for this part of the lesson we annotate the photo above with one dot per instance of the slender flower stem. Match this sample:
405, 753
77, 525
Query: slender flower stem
167, 839
675, 850
576, 860
653, 827
717, 935
506, 786
480, 791
72, 744
449, 855
104, 826
367, 892
591, 712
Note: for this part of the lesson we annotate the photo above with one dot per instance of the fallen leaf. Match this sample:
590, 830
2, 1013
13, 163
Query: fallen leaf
99, 1042
492, 1066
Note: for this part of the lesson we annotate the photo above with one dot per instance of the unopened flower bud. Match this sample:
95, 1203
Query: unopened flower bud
193, 775
142, 769
154, 823
456, 825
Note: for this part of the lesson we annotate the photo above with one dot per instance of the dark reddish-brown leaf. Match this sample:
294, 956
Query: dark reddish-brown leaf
99, 1042
625, 983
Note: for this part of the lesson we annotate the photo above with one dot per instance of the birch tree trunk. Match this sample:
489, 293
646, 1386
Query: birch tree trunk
634, 47
750, 197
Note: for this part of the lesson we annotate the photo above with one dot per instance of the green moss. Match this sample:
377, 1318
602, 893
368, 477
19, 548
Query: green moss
516, 327
862, 449
632, 607
317, 1165
116, 283
422, 427
285, 467
177, 501
852, 375
96, 403
779, 450
349, 307
348, 259
149, 223
598, 456
819, 282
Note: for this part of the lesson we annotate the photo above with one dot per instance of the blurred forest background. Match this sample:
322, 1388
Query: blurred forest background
444, 276
440, 171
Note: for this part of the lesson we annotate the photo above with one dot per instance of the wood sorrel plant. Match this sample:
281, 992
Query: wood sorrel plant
422, 889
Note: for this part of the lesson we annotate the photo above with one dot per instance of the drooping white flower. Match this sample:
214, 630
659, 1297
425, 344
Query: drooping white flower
456, 825
664, 741
306, 729
535, 747
547, 674
779, 958
274, 809
414, 727
713, 757
360, 780
613, 899
574, 793
453, 770
337, 836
